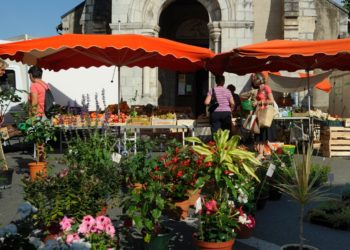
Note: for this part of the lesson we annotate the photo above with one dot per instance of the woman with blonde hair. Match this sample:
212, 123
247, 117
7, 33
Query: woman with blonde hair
263, 98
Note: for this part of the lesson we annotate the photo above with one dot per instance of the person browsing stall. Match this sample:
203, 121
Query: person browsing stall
37, 92
263, 98
221, 117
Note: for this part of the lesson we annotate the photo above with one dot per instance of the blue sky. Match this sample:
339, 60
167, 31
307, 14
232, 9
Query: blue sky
33, 17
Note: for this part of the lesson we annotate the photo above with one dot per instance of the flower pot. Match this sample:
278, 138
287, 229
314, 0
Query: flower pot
159, 242
6, 178
193, 197
244, 232
182, 208
37, 168
261, 202
274, 194
203, 245
296, 247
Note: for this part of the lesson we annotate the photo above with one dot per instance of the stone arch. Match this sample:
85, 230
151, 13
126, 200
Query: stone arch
150, 10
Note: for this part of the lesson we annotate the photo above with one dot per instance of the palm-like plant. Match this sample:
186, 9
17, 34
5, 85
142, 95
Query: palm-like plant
300, 186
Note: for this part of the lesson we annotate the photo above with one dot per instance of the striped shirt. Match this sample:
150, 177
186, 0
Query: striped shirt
223, 96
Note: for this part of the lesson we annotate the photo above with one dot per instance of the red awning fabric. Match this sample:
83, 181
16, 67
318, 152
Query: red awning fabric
85, 50
286, 55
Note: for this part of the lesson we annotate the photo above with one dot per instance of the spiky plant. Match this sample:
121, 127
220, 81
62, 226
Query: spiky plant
300, 186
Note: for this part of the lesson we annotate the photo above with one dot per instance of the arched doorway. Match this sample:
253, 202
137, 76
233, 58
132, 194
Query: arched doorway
184, 21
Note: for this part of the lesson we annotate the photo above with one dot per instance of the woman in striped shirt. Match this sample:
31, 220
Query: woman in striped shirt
221, 117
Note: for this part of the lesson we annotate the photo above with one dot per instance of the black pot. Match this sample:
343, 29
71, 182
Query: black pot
6, 178
261, 202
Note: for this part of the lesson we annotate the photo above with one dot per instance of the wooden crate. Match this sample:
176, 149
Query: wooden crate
335, 141
159, 121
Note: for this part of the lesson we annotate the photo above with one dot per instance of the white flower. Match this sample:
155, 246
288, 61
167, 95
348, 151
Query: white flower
243, 219
231, 203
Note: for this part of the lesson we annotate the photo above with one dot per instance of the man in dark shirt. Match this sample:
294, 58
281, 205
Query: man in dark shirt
236, 98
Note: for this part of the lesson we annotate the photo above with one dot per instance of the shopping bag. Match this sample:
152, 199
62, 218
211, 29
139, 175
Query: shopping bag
265, 116
251, 124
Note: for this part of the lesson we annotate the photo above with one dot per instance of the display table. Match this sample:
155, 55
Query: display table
123, 131
299, 124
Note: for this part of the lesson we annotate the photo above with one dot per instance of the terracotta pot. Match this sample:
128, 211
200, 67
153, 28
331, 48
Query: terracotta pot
244, 232
36, 168
203, 245
182, 207
193, 197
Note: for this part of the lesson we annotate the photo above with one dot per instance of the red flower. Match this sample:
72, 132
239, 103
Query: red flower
176, 150
186, 163
208, 164
156, 168
175, 159
211, 206
179, 173
228, 172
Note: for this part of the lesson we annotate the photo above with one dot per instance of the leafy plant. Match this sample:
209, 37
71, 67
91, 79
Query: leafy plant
346, 192
335, 214
145, 206
136, 167
7, 96
19, 234
180, 167
39, 131
225, 163
301, 188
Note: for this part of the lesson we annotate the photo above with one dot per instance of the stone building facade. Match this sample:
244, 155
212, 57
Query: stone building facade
216, 24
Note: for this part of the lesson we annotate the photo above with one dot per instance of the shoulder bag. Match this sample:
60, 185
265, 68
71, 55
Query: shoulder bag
213, 102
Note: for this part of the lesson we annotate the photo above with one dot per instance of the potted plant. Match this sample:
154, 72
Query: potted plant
7, 96
180, 167
145, 206
38, 131
225, 160
89, 233
86, 186
301, 188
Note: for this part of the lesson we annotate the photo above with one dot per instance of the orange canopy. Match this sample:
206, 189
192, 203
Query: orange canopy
323, 85
77, 50
287, 55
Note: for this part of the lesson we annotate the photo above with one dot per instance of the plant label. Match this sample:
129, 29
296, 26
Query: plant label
116, 157
270, 170
330, 177
198, 205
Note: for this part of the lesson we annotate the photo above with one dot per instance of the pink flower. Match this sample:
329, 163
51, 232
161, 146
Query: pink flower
66, 223
71, 238
104, 220
63, 172
85, 227
211, 206
89, 219
110, 230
